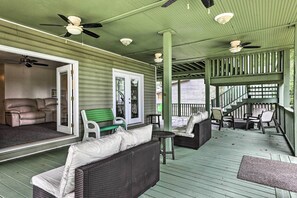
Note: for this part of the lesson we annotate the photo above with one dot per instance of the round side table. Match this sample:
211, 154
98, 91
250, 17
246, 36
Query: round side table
162, 135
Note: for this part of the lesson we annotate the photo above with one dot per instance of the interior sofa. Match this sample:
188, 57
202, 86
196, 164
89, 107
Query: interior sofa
26, 111
124, 164
196, 133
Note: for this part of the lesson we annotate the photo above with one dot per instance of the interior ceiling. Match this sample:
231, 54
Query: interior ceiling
266, 23
11, 58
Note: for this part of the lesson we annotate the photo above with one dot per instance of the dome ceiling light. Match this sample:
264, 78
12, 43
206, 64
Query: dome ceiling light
224, 17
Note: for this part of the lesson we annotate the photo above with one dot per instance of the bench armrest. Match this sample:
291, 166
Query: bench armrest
95, 127
121, 119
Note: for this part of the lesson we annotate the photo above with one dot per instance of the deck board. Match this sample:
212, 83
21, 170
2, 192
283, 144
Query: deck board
210, 171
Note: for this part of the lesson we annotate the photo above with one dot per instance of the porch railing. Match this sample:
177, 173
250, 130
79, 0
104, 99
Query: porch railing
248, 64
286, 120
263, 91
187, 109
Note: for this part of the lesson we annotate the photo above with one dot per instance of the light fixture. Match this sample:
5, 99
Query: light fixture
158, 58
235, 49
224, 17
74, 30
126, 41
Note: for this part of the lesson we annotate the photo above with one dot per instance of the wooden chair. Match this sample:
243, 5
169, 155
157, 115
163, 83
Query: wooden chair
265, 117
220, 118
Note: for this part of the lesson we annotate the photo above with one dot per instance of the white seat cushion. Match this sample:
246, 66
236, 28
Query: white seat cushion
134, 137
49, 181
85, 153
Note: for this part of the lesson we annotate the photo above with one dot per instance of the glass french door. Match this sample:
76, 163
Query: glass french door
64, 96
128, 96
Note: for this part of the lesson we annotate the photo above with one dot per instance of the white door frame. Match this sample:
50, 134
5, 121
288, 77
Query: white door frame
58, 59
141, 92
64, 128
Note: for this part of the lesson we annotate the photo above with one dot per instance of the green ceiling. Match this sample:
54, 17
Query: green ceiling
262, 22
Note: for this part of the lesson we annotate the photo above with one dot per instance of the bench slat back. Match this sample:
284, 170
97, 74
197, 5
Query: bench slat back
100, 115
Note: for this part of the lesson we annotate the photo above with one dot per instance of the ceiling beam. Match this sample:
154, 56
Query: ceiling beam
133, 12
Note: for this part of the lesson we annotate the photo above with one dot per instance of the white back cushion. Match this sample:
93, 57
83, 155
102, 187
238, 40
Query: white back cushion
85, 153
198, 117
134, 137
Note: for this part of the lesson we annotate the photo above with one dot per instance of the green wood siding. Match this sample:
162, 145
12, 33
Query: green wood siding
95, 66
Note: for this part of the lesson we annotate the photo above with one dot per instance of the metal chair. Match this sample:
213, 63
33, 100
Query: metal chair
265, 117
220, 118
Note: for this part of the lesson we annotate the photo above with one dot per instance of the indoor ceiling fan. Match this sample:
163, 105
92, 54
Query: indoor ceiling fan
206, 3
236, 46
75, 27
29, 62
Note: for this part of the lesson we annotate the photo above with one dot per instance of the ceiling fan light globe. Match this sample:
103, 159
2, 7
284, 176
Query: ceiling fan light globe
74, 30
235, 49
74, 20
158, 60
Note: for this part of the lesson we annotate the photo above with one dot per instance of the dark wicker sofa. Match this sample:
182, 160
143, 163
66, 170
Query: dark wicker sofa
125, 174
202, 133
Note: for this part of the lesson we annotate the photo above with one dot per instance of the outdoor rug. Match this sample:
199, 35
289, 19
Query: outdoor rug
269, 172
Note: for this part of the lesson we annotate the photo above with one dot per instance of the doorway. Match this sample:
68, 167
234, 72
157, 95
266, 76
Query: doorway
128, 95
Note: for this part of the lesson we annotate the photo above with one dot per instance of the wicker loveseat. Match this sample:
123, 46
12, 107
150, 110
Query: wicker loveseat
127, 173
196, 133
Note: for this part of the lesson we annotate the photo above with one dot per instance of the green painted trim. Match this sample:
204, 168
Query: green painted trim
167, 72
247, 79
178, 98
295, 93
207, 86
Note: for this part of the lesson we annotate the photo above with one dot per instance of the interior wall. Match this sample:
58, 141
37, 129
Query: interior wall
24, 82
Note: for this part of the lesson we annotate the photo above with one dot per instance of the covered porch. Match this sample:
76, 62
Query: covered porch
210, 171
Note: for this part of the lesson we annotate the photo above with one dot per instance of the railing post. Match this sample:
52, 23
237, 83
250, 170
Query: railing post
217, 96
178, 99
207, 86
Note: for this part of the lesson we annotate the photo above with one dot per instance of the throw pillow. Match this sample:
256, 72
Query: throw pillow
134, 137
85, 153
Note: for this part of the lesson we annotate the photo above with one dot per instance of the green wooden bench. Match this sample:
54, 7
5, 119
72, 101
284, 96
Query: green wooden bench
92, 117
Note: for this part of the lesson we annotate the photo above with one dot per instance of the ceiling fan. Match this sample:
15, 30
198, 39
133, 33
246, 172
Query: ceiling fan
206, 3
236, 46
75, 27
29, 62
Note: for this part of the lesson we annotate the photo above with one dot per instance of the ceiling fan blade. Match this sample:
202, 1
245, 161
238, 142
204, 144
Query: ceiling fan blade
91, 25
32, 61
208, 3
52, 25
67, 34
245, 43
41, 64
91, 33
65, 18
168, 3
252, 46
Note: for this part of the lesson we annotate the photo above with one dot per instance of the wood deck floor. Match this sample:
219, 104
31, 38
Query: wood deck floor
208, 172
